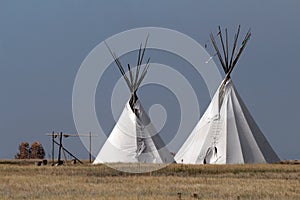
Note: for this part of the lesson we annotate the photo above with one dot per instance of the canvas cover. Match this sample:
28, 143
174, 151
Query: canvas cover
134, 139
226, 134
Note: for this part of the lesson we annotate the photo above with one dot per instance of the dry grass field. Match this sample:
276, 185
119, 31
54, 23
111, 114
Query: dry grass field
24, 180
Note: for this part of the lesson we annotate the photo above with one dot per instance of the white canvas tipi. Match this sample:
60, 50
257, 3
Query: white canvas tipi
226, 133
134, 138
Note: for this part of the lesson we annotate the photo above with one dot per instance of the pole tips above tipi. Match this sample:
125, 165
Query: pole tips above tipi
228, 56
135, 77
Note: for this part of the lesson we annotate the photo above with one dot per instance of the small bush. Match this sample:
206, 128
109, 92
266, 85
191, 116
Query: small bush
35, 151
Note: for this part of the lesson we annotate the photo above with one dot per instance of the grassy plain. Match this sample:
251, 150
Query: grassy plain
27, 181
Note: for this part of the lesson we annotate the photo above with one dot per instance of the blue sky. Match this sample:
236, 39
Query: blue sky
43, 43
